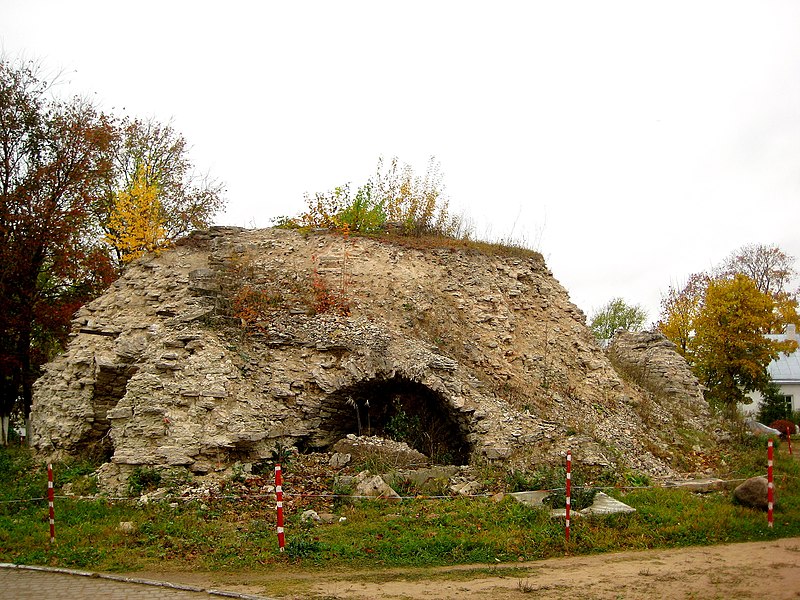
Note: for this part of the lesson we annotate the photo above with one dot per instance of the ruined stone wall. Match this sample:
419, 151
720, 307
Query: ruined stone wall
652, 361
484, 354
649, 360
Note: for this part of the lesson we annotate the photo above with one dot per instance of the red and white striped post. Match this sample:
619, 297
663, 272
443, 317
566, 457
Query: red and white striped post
568, 492
789, 439
279, 499
770, 485
50, 498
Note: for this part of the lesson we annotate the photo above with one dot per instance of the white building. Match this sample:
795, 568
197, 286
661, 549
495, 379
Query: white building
784, 371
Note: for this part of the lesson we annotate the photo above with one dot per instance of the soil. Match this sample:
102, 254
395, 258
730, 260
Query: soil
747, 570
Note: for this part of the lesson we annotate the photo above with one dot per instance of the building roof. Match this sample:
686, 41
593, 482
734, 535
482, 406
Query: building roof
785, 368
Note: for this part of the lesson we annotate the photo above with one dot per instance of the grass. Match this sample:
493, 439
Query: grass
226, 535
434, 241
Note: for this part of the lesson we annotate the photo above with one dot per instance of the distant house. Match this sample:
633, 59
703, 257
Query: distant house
784, 372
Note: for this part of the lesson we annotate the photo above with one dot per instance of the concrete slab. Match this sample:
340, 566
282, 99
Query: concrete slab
603, 505
606, 505
702, 486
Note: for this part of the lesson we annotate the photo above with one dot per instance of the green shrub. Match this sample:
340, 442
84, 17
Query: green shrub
773, 405
363, 213
143, 479
521, 481
402, 426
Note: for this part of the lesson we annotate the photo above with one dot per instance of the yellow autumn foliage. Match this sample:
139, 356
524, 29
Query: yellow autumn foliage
136, 223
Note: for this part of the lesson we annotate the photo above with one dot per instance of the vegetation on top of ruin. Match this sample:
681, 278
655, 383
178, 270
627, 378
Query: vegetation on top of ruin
397, 206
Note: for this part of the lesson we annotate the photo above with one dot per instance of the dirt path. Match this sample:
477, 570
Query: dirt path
751, 570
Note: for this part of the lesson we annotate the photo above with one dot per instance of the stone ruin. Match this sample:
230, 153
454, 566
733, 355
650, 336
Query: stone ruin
236, 343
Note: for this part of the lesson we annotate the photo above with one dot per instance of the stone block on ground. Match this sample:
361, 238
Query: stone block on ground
373, 486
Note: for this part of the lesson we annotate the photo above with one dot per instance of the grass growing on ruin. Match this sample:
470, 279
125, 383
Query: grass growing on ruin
226, 535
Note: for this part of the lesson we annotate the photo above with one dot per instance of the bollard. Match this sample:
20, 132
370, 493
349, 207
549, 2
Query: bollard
568, 492
789, 439
770, 485
50, 498
279, 499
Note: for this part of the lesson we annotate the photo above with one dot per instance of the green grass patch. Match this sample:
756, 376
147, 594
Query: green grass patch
227, 535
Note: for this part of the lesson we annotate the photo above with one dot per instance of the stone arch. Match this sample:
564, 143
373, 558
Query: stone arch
399, 408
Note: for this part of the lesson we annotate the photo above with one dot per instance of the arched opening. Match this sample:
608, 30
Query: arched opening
402, 410
109, 388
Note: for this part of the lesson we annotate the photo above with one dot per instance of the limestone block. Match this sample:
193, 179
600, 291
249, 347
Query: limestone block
373, 486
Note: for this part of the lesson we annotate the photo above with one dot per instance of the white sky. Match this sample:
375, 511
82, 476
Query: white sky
632, 143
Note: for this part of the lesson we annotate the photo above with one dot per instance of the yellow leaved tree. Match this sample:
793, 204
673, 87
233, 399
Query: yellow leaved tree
136, 222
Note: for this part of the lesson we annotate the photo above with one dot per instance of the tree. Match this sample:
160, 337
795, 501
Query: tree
730, 353
616, 314
53, 165
136, 222
145, 148
772, 271
773, 405
769, 267
679, 310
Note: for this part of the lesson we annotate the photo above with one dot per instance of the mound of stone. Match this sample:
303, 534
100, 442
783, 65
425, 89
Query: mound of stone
239, 343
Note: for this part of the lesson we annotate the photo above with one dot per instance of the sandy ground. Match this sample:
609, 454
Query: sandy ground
750, 570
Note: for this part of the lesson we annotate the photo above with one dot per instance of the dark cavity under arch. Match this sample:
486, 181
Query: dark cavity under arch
402, 410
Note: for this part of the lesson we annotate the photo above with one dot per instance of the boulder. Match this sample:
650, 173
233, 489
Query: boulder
753, 493
310, 515
699, 486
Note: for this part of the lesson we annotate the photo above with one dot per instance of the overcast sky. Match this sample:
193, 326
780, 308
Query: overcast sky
632, 143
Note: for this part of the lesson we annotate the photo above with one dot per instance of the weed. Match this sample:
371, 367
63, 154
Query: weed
327, 300
402, 426
525, 587
342, 495
521, 481
636, 479
143, 479
281, 455
580, 498
174, 479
